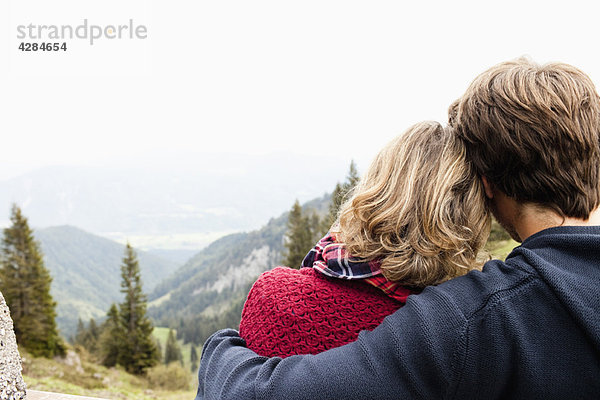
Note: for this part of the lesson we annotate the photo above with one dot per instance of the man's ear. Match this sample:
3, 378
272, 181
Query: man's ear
488, 187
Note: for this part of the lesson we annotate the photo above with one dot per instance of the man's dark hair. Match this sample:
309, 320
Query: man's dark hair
534, 132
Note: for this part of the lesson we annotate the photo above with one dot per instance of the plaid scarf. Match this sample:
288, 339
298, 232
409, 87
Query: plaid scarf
331, 258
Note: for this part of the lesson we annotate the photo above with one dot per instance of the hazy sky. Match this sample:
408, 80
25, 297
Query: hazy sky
313, 77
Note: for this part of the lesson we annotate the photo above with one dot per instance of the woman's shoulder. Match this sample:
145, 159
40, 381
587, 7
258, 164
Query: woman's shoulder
288, 288
314, 286
296, 278
284, 272
291, 311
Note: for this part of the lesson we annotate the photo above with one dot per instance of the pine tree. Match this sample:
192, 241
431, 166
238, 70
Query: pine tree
194, 359
299, 237
352, 178
159, 349
93, 328
80, 333
87, 337
172, 350
112, 338
25, 284
138, 351
334, 206
315, 224
340, 193
92, 337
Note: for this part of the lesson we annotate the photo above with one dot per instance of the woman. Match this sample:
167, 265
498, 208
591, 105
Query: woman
418, 217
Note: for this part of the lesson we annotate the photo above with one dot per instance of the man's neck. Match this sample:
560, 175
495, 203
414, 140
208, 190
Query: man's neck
532, 219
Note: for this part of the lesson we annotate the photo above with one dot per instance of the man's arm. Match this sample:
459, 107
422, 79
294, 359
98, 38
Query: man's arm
413, 354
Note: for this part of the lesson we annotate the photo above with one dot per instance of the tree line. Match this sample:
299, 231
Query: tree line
125, 338
305, 227
25, 284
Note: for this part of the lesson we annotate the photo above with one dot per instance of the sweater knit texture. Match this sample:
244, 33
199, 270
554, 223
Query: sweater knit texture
291, 311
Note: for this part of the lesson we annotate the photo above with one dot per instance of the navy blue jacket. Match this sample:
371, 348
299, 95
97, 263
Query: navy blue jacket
527, 328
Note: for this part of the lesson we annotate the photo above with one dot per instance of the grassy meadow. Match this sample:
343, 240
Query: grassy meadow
186, 349
80, 376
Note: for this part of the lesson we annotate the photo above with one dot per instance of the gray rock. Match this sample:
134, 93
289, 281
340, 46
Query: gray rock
12, 386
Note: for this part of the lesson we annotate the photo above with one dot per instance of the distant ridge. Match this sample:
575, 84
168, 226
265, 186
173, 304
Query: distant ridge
169, 206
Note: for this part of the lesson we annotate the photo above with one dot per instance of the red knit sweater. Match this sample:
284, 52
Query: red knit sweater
291, 311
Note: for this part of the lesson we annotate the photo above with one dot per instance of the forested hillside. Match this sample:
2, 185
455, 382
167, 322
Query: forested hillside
86, 273
208, 292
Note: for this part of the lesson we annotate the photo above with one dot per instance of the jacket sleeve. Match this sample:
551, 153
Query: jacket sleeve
415, 353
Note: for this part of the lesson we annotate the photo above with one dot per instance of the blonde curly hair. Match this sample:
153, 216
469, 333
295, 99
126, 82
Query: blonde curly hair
419, 209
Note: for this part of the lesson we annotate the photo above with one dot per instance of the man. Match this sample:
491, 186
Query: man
525, 328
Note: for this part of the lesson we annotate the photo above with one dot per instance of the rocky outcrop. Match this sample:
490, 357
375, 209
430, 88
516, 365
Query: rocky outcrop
12, 386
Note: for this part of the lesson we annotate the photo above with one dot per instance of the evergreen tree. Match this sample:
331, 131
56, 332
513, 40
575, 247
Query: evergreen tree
334, 206
87, 337
315, 227
94, 330
340, 193
92, 337
138, 351
181, 329
80, 333
352, 178
25, 284
159, 349
111, 338
299, 237
172, 350
194, 359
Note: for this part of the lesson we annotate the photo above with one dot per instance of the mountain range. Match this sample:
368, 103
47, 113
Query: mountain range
86, 272
170, 207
